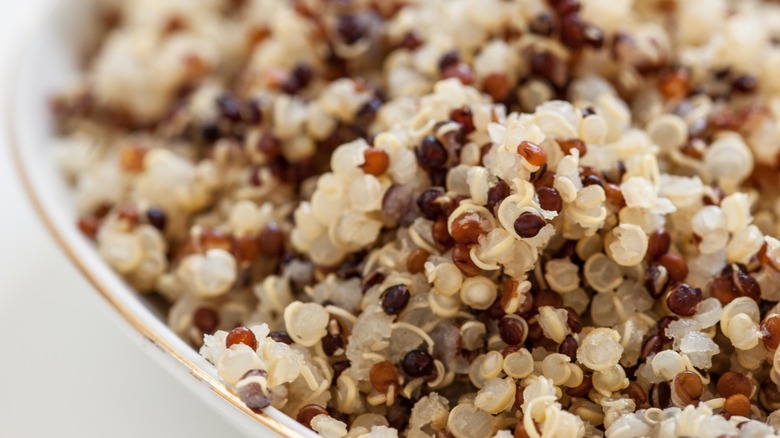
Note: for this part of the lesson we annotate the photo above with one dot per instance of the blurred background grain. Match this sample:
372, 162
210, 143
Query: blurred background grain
66, 370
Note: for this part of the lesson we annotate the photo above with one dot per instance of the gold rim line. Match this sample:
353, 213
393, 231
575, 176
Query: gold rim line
129, 316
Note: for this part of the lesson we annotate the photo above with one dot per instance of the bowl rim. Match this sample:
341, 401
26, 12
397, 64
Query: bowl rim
173, 355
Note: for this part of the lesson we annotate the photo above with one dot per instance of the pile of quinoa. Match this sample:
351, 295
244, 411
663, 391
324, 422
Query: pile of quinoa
463, 218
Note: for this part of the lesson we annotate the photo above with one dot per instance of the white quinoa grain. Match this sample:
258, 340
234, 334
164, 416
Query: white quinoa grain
478, 292
306, 322
600, 349
497, 395
628, 245
467, 421
328, 427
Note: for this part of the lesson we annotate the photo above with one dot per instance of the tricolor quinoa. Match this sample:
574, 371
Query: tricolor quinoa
466, 218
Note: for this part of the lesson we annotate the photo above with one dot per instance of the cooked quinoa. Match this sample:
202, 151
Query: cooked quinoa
463, 218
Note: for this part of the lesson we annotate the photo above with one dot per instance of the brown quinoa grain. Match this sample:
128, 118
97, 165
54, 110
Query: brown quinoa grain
531, 152
271, 240
464, 117
651, 345
636, 393
269, 146
688, 387
658, 245
520, 431
241, 335
441, 234
461, 256
467, 228
547, 297
683, 299
128, 215
770, 395
206, 320
131, 158
674, 83
382, 375
675, 266
88, 225
660, 395
246, 249
614, 195
376, 161
567, 145
549, 199
656, 280
737, 404
770, 331
308, 412
732, 382
460, 71
496, 85
583, 389
215, 238
415, 262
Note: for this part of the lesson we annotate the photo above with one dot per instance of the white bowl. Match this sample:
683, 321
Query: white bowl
49, 61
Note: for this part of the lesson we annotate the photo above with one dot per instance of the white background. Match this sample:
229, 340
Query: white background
66, 370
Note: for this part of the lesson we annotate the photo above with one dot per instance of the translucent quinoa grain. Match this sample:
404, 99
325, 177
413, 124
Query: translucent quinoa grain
600, 349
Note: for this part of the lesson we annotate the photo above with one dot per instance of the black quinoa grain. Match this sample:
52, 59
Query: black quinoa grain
528, 225
418, 363
157, 218
281, 336
350, 29
569, 348
496, 194
206, 320
511, 330
395, 298
430, 153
